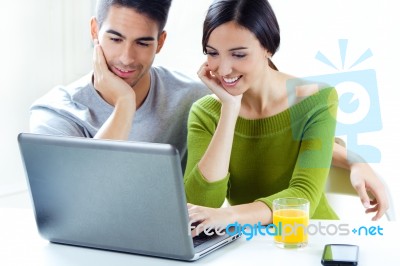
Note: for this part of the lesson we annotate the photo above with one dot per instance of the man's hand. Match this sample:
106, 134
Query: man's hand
364, 180
117, 93
112, 88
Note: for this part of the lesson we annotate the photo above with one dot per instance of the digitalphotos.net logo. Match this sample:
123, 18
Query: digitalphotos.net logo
285, 230
359, 110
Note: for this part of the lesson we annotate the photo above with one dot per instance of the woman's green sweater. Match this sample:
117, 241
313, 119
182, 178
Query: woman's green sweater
285, 155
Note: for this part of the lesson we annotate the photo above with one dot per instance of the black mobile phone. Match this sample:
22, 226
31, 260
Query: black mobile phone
340, 254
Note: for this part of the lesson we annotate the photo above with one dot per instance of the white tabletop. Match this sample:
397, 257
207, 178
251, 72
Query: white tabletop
20, 244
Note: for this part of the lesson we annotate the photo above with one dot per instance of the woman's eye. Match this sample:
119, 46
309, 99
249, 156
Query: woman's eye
239, 55
211, 53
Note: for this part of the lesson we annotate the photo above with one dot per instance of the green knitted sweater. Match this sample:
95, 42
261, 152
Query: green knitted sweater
285, 155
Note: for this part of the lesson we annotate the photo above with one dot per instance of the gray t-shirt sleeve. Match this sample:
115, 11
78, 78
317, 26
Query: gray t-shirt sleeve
49, 122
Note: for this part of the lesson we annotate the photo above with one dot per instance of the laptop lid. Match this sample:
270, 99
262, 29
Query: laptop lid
114, 195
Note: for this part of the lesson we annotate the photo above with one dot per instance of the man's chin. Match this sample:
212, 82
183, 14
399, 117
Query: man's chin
132, 83
136, 81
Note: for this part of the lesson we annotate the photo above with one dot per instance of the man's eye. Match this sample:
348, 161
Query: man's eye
115, 39
144, 44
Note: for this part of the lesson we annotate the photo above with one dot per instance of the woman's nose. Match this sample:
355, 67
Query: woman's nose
224, 67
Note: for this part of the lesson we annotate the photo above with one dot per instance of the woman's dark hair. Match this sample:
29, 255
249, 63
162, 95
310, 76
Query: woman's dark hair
256, 16
156, 10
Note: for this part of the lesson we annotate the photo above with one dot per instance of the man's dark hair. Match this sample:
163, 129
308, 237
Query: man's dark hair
156, 10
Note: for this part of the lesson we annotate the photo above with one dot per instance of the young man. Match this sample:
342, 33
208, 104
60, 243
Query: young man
126, 98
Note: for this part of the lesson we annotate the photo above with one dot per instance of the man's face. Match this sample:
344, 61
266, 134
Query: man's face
129, 41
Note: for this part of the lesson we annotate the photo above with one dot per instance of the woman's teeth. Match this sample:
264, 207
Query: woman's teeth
231, 80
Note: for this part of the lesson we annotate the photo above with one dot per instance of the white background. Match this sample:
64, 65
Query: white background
46, 42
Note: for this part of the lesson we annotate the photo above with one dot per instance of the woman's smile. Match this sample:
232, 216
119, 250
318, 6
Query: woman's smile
230, 82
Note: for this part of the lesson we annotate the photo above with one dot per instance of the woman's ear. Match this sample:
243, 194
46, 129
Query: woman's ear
94, 28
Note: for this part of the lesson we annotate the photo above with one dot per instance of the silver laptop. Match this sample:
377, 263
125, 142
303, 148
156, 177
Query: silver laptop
113, 195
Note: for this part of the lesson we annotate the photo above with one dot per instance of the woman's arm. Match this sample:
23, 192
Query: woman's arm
215, 162
208, 157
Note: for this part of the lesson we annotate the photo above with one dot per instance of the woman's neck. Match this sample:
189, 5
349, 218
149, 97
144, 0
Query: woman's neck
267, 98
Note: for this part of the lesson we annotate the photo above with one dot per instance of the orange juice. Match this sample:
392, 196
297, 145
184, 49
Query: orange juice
291, 227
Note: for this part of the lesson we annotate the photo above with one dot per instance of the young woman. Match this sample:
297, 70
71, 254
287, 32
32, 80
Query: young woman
263, 134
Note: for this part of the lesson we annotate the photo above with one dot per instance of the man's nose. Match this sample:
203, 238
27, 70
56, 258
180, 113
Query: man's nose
127, 56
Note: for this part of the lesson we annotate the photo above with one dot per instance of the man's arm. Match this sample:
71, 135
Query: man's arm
363, 179
119, 124
117, 93
49, 122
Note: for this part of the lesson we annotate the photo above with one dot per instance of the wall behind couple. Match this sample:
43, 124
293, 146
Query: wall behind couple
46, 42
43, 43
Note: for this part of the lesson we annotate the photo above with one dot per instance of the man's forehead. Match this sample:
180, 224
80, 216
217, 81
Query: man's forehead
128, 21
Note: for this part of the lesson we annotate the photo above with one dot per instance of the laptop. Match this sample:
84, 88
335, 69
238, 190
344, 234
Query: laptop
113, 195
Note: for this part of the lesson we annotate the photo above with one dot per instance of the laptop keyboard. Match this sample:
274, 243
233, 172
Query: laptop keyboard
202, 238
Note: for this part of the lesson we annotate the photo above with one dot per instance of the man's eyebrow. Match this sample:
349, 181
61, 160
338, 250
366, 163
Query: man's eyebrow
148, 39
145, 39
233, 49
116, 33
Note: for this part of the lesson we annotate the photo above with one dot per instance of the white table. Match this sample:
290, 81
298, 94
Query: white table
20, 244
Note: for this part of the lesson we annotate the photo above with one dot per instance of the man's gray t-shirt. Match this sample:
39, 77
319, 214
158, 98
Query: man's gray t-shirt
78, 110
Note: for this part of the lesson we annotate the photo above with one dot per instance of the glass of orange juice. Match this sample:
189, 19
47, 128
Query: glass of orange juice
290, 217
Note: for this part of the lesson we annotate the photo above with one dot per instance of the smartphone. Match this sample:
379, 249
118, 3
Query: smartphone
340, 254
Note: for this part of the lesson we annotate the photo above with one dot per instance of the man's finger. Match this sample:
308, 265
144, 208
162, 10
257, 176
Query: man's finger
362, 193
380, 200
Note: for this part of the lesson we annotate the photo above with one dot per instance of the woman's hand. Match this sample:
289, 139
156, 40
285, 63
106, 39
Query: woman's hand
214, 84
219, 218
209, 218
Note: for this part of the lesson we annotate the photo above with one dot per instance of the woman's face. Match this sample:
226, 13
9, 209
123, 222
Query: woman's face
236, 58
